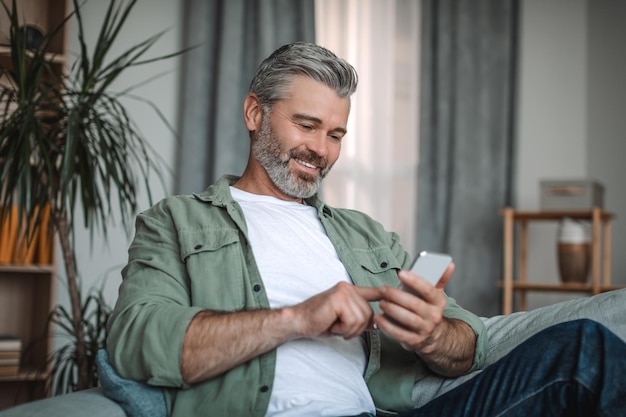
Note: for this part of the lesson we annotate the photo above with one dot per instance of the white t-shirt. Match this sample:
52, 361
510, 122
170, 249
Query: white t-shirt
314, 377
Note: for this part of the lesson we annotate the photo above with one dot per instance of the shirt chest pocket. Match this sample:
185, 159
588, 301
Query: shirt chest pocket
378, 266
215, 266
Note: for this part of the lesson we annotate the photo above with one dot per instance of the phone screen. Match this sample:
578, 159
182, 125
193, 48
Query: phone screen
431, 266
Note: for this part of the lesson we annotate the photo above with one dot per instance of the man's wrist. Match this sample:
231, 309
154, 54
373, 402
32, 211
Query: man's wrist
289, 320
451, 352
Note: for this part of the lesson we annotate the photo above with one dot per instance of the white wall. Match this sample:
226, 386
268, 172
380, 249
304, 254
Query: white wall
147, 18
569, 121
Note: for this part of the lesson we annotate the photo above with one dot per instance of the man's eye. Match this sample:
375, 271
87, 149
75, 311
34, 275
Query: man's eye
306, 127
336, 137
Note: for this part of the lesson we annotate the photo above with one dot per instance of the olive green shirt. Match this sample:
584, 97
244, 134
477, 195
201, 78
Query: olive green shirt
191, 253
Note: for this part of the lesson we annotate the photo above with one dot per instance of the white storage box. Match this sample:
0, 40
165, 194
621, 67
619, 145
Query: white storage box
571, 195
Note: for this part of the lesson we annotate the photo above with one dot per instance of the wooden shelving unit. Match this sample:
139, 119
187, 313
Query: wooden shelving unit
517, 283
28, 292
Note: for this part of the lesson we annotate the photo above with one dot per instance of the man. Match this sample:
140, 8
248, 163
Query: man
254, 298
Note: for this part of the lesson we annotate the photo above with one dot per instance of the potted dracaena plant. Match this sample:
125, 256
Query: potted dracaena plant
68, 142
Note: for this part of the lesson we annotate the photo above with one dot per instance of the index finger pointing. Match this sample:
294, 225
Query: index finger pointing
369, 293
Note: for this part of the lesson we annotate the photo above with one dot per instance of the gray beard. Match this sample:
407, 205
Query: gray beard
266, 149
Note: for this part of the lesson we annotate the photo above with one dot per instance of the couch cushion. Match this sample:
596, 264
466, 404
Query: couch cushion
136, 398
86, 403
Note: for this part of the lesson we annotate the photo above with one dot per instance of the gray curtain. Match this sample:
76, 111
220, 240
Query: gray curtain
230, 38
465, 173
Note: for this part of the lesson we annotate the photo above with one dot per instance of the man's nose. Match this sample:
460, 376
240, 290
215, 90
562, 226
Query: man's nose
318, 144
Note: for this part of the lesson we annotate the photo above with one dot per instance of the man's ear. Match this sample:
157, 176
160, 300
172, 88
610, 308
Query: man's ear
252, 112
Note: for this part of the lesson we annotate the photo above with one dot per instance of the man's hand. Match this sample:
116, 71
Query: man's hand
217, 342
342, 310
418, 324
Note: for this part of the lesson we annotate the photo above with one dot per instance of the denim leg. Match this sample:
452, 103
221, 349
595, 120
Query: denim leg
506, 332
363, 415
571, 369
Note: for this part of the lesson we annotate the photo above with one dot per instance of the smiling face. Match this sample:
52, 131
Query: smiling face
296, 145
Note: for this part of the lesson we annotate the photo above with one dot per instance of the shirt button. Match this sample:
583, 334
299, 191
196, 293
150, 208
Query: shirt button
197, 247
256, 288
265, 388
383, 264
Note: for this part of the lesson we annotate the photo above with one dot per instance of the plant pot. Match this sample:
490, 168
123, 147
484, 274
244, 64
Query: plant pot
573, 251
574, 260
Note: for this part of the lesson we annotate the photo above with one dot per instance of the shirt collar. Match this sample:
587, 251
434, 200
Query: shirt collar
219, 195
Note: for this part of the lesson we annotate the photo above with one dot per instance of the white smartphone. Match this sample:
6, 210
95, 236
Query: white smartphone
430, 266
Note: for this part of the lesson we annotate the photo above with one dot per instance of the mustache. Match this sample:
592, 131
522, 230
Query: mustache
309, 157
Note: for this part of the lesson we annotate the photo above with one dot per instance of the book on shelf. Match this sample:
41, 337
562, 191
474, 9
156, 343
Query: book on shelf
10, 354
15, 246
8, 237
24, 249
44, 248
9, 361
10, 343
9, 370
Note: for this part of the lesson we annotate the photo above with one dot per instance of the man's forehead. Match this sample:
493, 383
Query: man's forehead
308, 90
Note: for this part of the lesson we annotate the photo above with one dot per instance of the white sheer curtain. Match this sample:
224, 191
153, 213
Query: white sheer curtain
377, 170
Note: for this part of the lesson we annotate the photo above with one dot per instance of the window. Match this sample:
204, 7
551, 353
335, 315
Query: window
377, 170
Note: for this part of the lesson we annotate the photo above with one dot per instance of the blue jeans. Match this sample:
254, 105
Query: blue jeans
571, 369
576, 368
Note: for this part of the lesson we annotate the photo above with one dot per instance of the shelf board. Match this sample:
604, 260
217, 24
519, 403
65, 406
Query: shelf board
558, 215
27, 269
26, 375
564, 287
55, 58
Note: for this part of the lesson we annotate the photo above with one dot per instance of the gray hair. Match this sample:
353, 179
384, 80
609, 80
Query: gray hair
276, 72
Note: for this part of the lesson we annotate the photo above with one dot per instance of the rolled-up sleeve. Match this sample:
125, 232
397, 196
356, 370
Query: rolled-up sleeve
454, 311
153, 311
